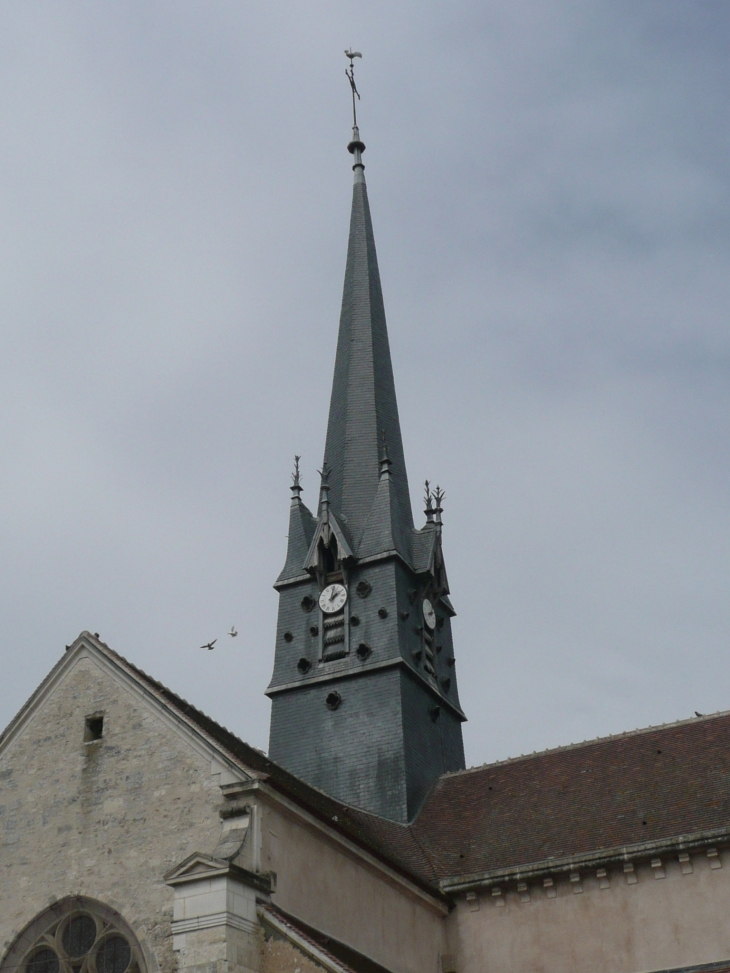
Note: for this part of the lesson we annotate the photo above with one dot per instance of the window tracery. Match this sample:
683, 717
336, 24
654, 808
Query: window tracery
77, 936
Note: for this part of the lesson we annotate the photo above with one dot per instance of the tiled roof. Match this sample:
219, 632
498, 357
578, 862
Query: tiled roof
650, 786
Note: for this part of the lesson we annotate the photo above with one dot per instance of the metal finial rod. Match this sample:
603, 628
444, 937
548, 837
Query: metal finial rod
428, 500
350, 72
438, 496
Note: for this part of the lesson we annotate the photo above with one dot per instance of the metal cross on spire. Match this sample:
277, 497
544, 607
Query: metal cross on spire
350, 72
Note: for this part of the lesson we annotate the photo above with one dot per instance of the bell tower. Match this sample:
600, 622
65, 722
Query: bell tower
364, 696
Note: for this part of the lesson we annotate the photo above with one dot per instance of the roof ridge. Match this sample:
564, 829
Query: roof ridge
183, 704
586, 743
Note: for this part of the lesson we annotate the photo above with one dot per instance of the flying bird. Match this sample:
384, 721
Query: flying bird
209, 645
233, 633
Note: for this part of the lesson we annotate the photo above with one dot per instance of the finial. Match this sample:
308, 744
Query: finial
438, 496
324, 495
428, 499
356, 147
350, 72
385, 462
296, 486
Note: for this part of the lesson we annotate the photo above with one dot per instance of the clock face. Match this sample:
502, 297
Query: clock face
333, 598
429, 615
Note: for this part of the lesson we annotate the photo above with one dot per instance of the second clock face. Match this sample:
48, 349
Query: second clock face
429, 615
333, 598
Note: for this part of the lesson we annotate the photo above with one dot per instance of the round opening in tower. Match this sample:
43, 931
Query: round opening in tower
333, 700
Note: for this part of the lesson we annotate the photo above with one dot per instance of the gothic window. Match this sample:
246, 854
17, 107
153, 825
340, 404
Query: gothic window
76, 936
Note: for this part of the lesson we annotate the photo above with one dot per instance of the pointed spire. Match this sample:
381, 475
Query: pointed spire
383, 529
301, 529
363, 401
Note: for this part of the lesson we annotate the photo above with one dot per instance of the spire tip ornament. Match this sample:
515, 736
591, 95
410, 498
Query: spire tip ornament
350, 74
356, 147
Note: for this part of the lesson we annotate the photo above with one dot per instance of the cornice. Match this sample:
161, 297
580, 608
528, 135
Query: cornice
342, 674
635, 853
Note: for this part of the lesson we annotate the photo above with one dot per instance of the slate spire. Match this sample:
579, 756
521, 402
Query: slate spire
364, 700
383, 529
363, 405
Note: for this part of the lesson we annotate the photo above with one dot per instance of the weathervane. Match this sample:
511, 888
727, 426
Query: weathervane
351, 78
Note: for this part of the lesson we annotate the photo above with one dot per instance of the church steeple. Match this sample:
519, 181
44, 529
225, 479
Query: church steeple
363, 405
364, 697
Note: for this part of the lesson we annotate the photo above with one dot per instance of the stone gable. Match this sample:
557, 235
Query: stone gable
106, 818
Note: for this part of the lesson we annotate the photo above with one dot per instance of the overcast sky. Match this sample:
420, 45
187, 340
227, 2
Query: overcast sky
549, 185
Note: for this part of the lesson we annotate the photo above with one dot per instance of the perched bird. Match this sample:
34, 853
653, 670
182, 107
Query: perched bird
209, 645
698, 714
233, 633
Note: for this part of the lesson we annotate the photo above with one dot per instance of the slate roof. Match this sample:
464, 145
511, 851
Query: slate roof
363, 404
383, 529
301, 531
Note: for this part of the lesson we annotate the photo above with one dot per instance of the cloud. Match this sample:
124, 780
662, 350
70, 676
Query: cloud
549, 187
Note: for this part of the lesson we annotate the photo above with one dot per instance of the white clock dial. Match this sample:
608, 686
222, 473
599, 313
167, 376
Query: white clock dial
333, 598
429, 615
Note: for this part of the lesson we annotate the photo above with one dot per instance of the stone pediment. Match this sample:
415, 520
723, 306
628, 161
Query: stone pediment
199, 866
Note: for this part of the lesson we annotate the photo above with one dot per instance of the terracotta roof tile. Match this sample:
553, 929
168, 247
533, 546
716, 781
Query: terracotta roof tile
648, 786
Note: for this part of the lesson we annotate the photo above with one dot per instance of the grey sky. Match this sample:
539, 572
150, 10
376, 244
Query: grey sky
549, 186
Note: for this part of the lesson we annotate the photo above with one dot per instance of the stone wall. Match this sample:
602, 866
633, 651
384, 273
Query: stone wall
673, 914
332, 890
281, 957
106, 819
